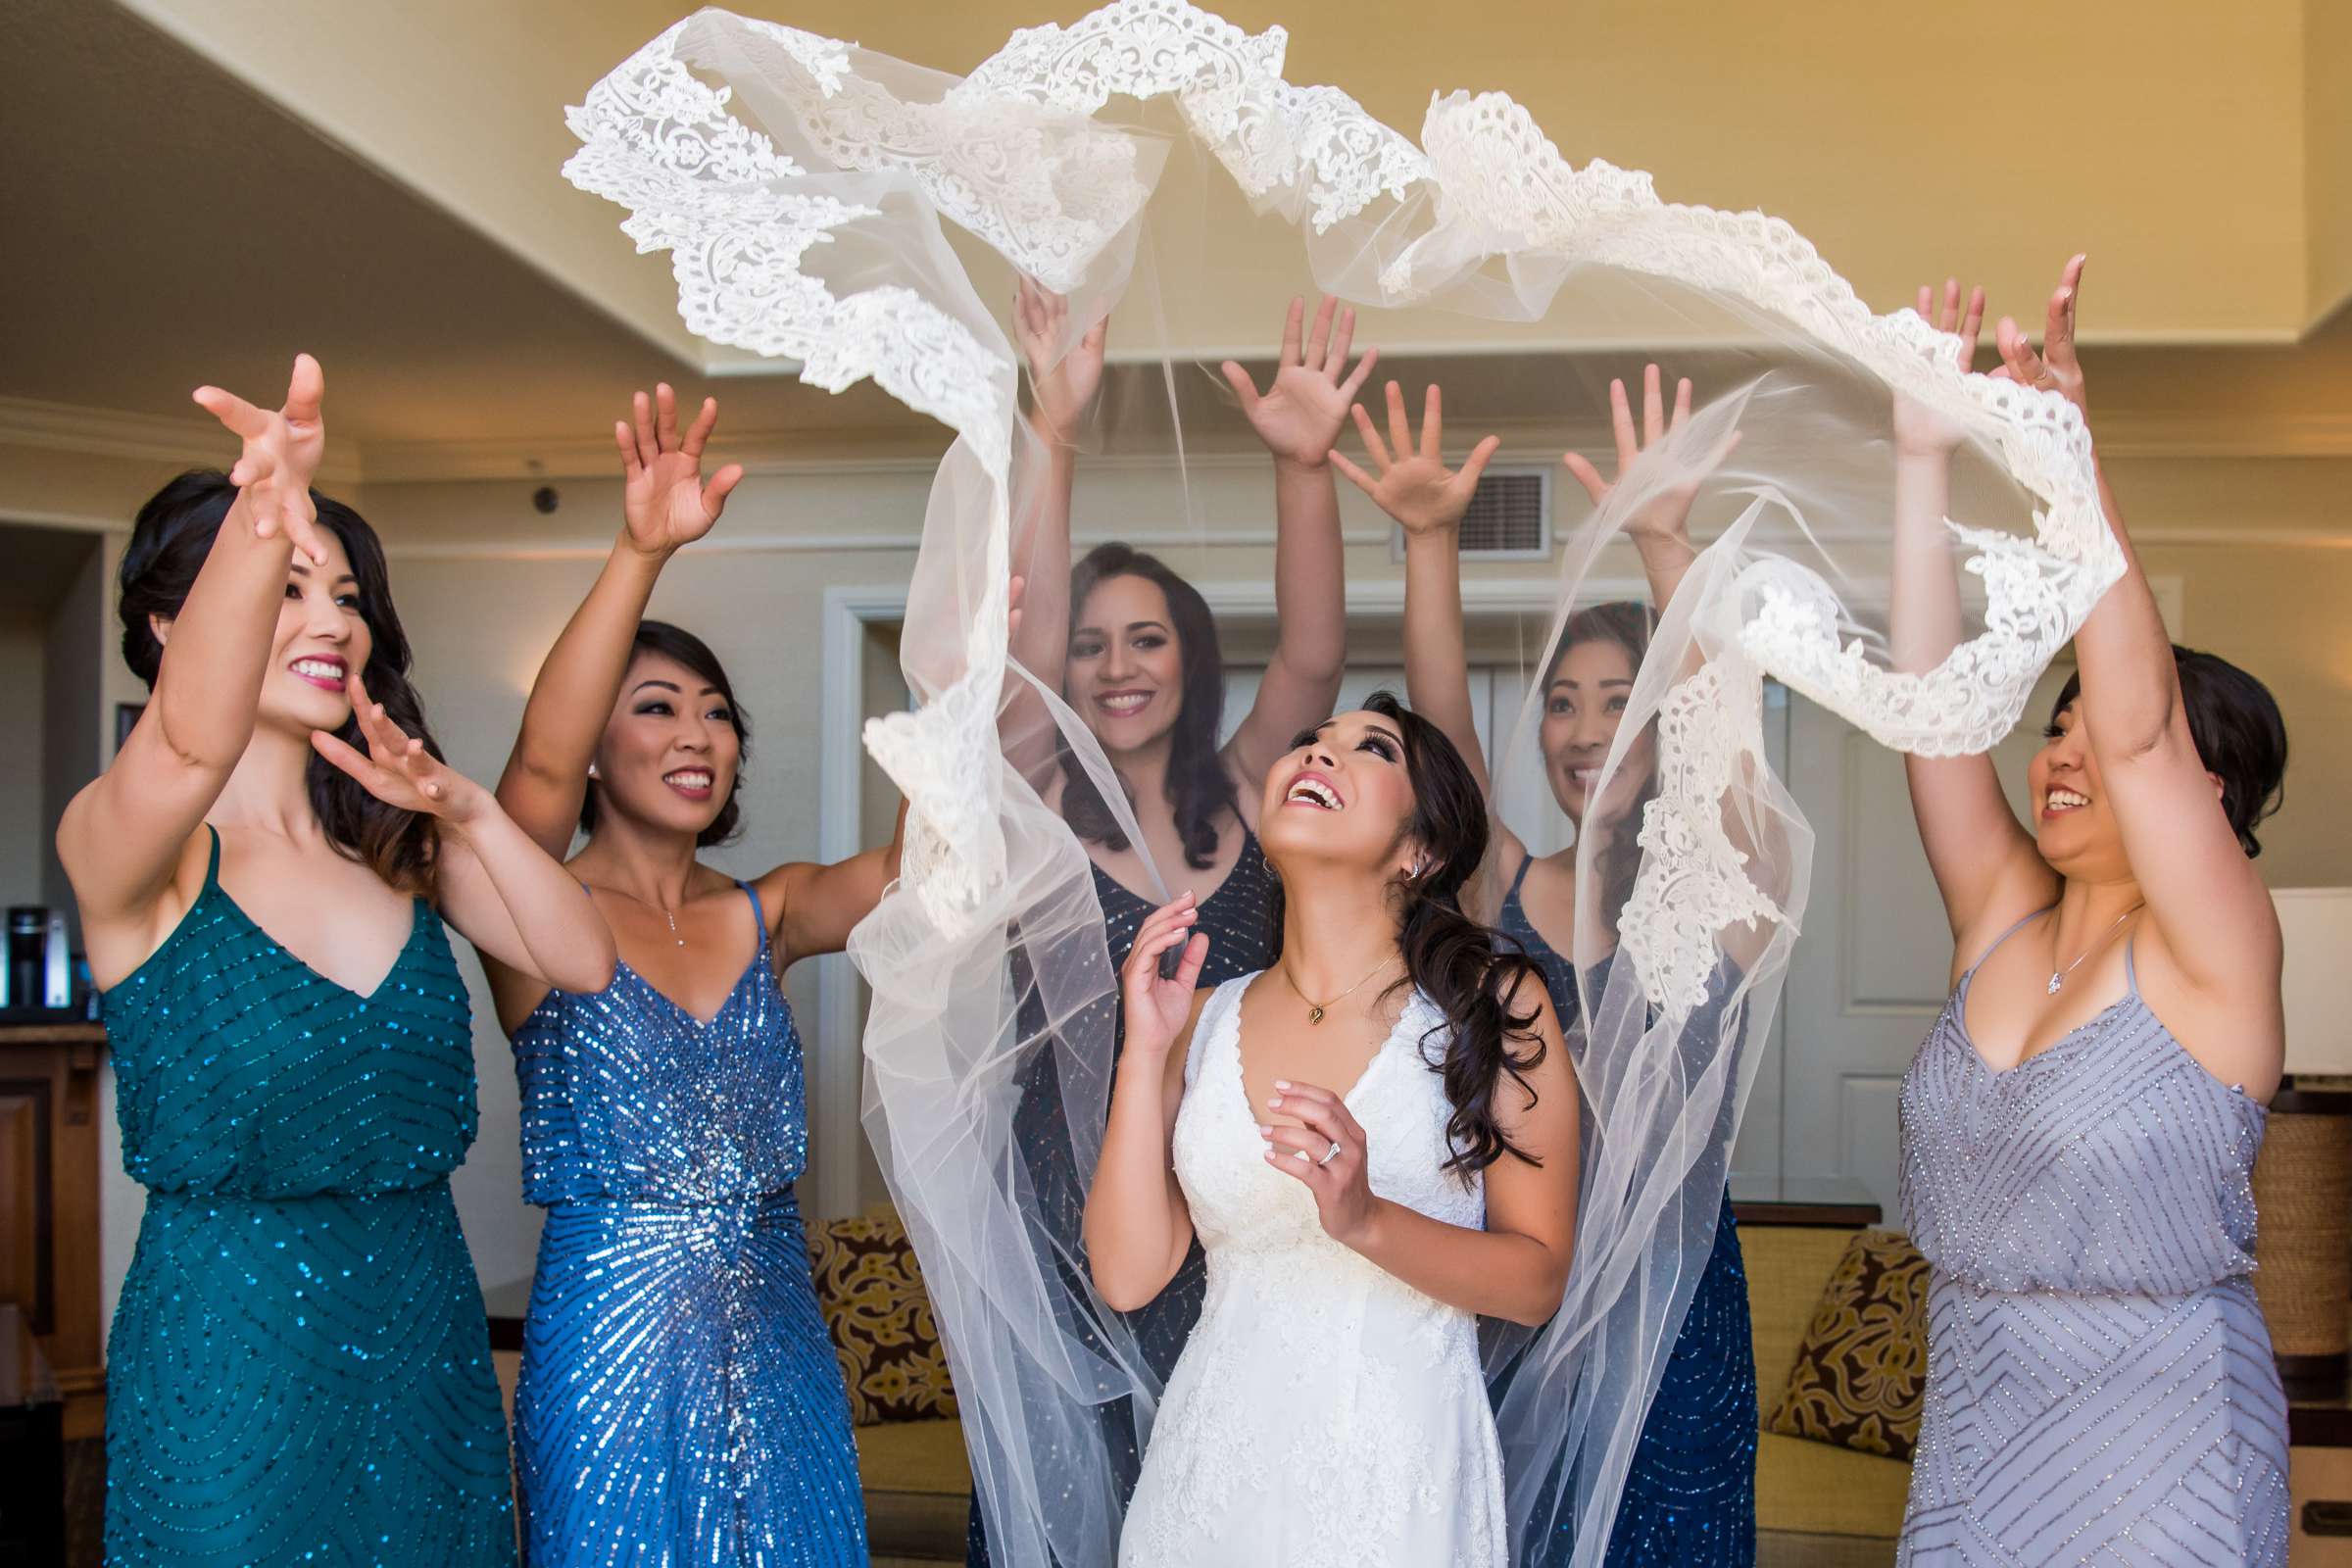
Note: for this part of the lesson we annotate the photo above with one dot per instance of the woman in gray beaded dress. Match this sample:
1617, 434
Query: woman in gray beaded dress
2080, 1127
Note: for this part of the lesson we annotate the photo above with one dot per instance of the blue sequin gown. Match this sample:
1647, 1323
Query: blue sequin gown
1690, 1498
300, 1368
680, 1402
1237, 918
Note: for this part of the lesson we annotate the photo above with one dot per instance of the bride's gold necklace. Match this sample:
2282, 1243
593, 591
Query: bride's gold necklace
1315, 1009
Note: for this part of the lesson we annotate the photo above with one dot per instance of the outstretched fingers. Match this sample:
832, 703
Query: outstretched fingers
722, 484
1401, 428
1318, 337
698, 434
1243, 387
1343, 338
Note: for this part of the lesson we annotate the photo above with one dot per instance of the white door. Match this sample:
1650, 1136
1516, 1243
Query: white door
1870, 971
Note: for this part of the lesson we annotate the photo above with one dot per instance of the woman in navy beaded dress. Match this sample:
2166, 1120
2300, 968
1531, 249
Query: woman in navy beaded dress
299, 1370
1688, 1499
679, 1401
1133, 649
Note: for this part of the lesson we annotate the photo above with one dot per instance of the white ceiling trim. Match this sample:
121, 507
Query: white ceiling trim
888, 450
139, 437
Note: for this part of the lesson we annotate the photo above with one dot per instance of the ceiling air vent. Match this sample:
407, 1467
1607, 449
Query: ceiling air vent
1509, 517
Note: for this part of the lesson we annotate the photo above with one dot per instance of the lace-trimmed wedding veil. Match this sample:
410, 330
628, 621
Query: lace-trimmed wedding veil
806, 190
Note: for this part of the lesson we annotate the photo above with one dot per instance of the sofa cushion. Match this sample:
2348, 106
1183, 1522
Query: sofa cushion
1785, 1267
1861, 1371
918, 1490
1805, 1487
870, 1291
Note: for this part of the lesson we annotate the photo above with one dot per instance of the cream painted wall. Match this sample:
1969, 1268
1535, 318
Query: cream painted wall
1900, 143
21, 637
2327, 151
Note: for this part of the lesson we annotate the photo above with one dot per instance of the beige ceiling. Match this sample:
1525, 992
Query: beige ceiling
197, 190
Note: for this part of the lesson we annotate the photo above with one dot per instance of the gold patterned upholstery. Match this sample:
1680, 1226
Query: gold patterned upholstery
870, 1291
1861, 1370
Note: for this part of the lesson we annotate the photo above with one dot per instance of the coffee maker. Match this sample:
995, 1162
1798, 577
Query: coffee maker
38, 974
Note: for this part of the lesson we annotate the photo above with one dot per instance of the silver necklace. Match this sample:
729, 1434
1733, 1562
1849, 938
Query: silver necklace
2058, 976
667, 913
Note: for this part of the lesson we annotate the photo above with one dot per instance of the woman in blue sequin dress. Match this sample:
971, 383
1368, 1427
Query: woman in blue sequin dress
680, 1402
1688, 1497
300, 1369
1133, 649
2079, 1129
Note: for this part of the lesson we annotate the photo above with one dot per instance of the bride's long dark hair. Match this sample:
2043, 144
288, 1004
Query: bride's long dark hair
1450, 958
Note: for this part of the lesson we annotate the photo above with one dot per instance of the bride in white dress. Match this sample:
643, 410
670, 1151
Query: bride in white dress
1330, 1407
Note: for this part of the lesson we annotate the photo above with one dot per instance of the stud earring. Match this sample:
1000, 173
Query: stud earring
593, 774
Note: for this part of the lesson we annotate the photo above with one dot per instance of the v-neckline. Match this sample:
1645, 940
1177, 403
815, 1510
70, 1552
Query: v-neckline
1363, 1076
1248, 840
363, 997
724, 1002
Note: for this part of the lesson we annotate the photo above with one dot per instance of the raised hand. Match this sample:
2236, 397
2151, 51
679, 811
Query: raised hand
1062, 387
2055, 367
1327, 1152
1665, 517
396, 769
274, 473
1918, 429
1156, 1005
1414, 486
1300, 414
664, 502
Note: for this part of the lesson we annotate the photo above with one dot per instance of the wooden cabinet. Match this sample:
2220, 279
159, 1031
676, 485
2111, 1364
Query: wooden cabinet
49, 1202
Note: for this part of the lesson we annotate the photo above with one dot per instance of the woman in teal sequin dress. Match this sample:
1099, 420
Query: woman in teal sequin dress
300, 1368
1689, 1497
680, 1402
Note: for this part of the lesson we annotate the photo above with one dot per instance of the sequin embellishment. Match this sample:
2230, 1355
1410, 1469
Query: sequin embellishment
2100, 1385
680, 1402
299, 1370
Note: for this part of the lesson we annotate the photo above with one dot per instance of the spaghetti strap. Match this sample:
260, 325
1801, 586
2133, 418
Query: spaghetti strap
2131, 965
758, 914
212, 865
1986, 956
1527, 858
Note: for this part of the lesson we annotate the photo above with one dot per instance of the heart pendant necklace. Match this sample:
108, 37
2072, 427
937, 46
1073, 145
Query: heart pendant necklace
1316, 1010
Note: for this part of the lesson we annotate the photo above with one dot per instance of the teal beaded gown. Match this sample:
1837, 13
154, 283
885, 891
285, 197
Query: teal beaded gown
300, 1367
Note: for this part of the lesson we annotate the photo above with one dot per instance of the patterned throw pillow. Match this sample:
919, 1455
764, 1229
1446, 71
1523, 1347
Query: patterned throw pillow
871, 1293
1862, 1367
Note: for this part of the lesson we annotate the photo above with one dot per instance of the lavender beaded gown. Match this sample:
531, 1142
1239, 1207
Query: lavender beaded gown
680, 1402
2100, 1388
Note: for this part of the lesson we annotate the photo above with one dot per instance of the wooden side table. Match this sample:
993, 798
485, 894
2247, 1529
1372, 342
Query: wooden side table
49, 1202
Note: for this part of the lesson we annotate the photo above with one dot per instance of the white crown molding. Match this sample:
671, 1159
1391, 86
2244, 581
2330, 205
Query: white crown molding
188, 443
914, 450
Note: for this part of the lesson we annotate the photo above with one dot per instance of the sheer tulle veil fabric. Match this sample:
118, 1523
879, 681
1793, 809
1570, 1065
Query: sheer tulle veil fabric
806, 190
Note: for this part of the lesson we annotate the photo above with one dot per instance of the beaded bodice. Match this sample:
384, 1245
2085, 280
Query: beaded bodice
242, 1071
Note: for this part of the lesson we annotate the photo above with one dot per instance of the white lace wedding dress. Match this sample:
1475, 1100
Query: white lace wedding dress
1324, 1413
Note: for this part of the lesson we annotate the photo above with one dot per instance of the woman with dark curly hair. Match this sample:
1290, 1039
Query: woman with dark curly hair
680, 1396
2079, 1131
1689, 1491
300, 1367
1399, 1075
